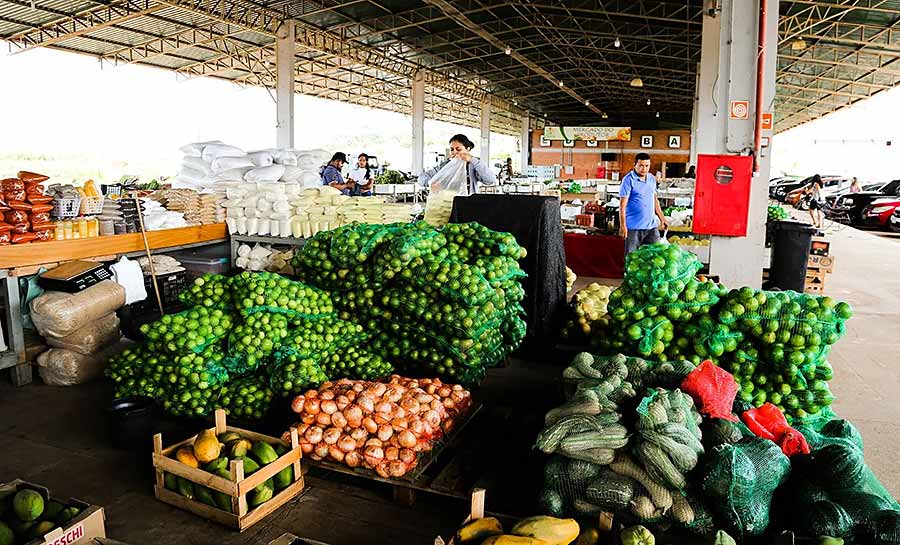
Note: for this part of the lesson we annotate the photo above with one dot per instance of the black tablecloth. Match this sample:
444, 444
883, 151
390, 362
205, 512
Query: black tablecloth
535, 223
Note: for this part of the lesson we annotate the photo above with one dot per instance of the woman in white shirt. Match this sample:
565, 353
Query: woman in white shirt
362, 175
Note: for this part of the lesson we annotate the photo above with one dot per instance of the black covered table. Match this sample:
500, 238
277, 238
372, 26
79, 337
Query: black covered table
535, 222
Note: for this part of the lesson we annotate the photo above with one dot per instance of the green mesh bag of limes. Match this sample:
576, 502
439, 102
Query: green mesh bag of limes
356, 243
660, 272
839, 494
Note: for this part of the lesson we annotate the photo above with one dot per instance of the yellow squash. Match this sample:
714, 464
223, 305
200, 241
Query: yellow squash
477, 530
552, 530
513, 540
207, 447
185, 455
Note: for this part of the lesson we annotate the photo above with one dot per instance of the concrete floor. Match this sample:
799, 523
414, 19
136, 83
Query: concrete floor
58, 436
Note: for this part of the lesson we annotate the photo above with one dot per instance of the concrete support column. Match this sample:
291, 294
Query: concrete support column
728, 73
484, 151
695, 119
526, 143
418, 123
284, 90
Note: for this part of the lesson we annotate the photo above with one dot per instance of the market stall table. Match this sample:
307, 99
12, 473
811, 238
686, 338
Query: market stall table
26, 259
597, 256
535, 222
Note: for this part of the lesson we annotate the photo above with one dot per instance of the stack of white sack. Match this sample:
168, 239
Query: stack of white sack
262, 257
156, 217
205, 165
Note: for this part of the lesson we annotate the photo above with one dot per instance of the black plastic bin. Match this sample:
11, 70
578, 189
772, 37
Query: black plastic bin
132, 422
790, 254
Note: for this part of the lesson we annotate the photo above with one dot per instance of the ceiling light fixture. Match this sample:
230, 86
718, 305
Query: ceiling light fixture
798, 45
587, 102
508, 51
657, 114
545, 115
604, 116
515, 103
648, 102
617, 43
561, 84
637, 82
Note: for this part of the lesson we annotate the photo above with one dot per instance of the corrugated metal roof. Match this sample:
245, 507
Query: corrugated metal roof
832, 53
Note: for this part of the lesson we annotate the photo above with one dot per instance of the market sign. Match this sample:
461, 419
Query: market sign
601, 134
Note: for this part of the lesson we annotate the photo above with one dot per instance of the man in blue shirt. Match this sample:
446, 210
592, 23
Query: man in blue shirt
331, 174
639, 212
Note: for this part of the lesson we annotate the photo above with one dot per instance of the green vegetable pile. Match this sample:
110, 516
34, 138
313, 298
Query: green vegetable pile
776, 212
390, 177
447, 305
440, 302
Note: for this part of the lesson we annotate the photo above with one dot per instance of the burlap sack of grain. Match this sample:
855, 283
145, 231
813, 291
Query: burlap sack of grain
57, 314
93, 337
62, 367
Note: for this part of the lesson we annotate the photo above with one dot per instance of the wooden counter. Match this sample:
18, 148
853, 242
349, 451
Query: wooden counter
36, 253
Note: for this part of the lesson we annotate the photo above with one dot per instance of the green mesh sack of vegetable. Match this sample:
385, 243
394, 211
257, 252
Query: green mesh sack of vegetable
356, 243
247, 397
711, 340
355, 363
473, 240
797, 320
660, 272
209, 290
565, 483
698, 298
270, 292
739, 481
413, 304
651, 335
252, 341
191, 330
450, 278
293, 373
316, 268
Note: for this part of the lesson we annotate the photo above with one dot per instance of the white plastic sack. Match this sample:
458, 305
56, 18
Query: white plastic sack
286, 157
196, 149
292, 174
196, 163
261, 158
231, 175
194, 175
310, 180
227, 162
270, 173
213, 151
260, 251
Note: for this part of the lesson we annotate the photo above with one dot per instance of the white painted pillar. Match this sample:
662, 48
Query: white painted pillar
695, 119
418, 123
284, 90
728, 72
525, 144
484, 151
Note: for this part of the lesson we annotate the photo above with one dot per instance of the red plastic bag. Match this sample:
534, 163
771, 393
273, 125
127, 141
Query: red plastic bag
16, 216
15, 195
19, 228
713, 390
40, 217
32, 177
5, 227
36, 197
23, 238
41, 208
5, 239
43, 234
768, 422
12, 184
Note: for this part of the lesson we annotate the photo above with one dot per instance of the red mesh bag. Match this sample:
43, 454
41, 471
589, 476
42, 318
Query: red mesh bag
768, 422
713, 390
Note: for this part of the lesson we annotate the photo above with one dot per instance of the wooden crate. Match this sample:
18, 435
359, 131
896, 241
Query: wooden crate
237, 487
815, 280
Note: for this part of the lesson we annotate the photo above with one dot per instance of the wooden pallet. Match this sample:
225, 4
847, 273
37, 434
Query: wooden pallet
815, 280
238, 486
436, 473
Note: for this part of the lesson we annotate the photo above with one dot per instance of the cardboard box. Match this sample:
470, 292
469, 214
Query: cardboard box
82, 529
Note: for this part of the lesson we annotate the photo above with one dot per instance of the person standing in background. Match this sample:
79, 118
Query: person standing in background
816, 200
361, 175
640, 215
331, 174
477, 171
854, 186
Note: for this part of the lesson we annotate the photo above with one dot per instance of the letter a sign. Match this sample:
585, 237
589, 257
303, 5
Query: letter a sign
674, 141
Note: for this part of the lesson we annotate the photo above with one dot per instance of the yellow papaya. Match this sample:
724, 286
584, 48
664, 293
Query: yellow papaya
207, 446
229, 437
240, 448
553, 530
479, 529
185, 455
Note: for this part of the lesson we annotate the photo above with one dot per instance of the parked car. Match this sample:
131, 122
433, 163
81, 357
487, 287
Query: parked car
879, 213
830, 186
894, 222
849, 207
779, 179
780, 190
876, 186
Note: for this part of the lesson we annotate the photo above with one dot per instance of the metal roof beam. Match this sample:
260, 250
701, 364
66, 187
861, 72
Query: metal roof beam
819, 90
108, 14
191, 36
864, 5
815, 77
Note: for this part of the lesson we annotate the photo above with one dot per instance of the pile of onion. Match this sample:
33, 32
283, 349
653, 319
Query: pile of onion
376, 425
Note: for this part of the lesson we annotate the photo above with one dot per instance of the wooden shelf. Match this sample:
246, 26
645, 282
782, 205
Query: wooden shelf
36, 253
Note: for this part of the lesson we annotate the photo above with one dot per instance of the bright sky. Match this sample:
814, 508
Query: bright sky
65, 115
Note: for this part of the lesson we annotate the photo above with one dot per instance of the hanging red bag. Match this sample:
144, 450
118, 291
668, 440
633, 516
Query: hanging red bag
768, 422
713, 390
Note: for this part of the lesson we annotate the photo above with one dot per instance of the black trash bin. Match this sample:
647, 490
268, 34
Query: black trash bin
790, 253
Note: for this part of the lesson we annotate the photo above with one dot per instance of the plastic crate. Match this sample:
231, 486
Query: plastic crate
170, 285
91, 206
67, 207
213, 259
